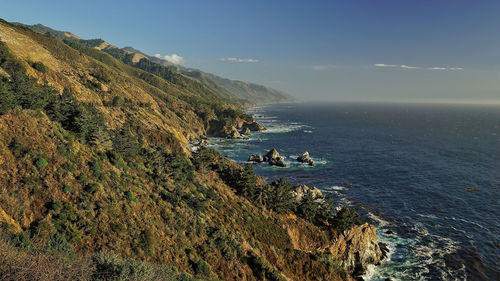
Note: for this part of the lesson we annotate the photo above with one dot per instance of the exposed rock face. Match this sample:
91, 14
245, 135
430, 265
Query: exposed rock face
233, 133
256, 158
246, 132
274, 158
273, 153
302, 189
254, 126
305, 158
356, 248
203, 142
278, 161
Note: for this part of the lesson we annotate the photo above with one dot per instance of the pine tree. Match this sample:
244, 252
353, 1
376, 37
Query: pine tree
248, 182
308, 208
279, 196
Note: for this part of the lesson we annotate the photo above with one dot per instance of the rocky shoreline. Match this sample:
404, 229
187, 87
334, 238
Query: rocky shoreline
355, 248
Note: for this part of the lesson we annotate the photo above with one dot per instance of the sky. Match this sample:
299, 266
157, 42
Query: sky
356, 50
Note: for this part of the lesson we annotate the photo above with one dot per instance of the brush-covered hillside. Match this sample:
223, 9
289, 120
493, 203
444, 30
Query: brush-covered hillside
98, 181
237, 91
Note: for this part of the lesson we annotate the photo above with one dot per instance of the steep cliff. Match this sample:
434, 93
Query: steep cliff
356, 248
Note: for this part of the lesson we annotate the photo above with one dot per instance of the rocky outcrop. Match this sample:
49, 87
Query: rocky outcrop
258, 158
301, 190
273, 153
305, 158
203, 142
246, 132
274, 158
233, 133
278, 161
254, 126
356, 248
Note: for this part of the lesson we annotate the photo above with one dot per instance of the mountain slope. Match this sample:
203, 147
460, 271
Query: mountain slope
96, 173
238, 91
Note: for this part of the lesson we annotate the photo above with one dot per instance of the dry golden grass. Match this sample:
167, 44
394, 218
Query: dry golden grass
22, 265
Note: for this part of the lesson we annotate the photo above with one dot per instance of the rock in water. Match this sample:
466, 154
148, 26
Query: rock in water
274, 158
356, 248
234, 134
384, 249
256, 158
254, 126
278, 161
273, 153
305, 158
246, 132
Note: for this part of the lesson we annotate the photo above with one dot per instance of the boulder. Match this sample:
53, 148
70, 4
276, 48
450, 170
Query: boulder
305, 158
301, 190
384, 249
316, 193
273, 153
278, 161
246, 132
356, 248
256, 158
254, 126
233, 134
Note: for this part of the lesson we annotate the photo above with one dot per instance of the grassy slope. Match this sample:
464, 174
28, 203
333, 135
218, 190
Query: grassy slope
152, 205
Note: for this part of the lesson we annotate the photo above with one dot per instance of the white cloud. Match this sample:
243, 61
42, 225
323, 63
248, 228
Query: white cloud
408, 67
239, 60
320, 67
174, 58
404, 66
445, 68
384, 65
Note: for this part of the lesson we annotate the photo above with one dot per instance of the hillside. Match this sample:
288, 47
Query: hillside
238, 91
98, 181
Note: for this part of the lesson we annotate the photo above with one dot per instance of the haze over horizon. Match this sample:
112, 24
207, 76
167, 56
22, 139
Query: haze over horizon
429, 51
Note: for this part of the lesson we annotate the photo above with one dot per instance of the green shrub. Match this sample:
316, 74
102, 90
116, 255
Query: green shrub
180, 168
20, 240
17, 148
130, 196
35, 191
67, 189
41, 162
96, 169
117, 101
58, 243
39, 66
202, 268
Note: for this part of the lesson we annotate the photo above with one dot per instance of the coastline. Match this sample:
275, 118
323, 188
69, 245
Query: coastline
426, 241
214, 141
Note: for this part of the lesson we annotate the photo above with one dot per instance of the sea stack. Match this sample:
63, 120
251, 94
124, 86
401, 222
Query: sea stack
258, 158
305, 158
274, 158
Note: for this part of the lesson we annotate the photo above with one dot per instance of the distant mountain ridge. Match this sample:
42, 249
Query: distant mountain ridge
244, 92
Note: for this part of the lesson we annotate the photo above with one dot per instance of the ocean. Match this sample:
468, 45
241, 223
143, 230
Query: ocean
428, 176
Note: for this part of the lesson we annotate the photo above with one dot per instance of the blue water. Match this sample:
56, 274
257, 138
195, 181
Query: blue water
428, 173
